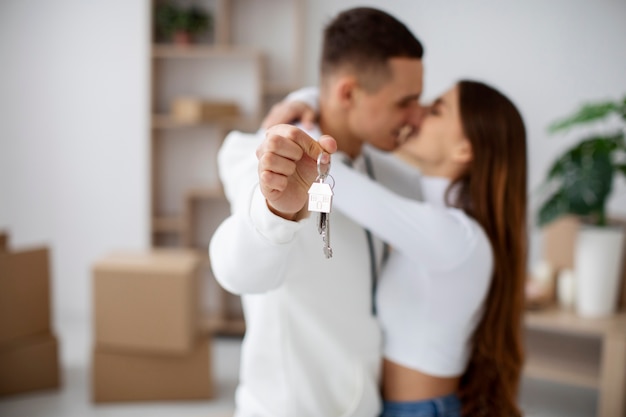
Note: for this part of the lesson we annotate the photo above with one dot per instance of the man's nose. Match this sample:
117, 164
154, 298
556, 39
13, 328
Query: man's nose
417, 114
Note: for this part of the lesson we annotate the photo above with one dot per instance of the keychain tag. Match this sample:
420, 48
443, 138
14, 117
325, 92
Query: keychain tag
320, 197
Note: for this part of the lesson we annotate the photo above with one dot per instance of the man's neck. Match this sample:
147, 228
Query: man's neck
335, 125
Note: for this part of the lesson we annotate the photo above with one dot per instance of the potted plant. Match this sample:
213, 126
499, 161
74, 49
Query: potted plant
579, 183
181, 23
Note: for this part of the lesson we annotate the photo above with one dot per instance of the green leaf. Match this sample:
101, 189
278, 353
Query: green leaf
589, 183
592, 145
585, 177
199, 20
580, 181
587, 113
620, 140
555, 207
165, 17
558, 167
170, 17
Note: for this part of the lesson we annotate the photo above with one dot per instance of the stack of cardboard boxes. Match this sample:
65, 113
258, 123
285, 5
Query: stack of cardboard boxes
148, 345
29, 358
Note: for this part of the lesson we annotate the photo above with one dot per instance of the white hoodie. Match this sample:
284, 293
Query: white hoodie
313, 345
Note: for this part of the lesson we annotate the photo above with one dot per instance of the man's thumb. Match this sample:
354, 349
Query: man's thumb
329, 146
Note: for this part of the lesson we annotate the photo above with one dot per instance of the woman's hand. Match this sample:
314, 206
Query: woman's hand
288, 112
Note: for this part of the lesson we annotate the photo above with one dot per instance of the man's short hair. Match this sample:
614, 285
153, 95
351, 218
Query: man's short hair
363, 40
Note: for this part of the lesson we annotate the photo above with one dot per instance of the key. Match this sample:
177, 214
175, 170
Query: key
328, 251
320, 201
321, 222
323, 218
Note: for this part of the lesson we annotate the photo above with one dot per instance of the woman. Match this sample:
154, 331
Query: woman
450, 298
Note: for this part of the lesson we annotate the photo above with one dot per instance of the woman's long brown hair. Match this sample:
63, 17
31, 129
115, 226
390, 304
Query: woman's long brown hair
493, 192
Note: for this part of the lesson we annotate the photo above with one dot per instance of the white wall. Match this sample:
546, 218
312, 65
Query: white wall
74, 133
74, 105
547, 56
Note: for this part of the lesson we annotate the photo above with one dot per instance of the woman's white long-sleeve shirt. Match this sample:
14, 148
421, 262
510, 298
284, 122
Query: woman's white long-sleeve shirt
434, 284
312, 346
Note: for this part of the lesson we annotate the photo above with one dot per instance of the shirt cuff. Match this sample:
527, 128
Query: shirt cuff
272, 227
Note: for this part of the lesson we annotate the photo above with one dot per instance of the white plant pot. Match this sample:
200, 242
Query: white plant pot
597, 264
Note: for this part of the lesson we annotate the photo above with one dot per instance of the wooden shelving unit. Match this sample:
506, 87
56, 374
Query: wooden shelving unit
239, 65
568, 322
166, 121
167, 224
565, 348
586, 352
167, 51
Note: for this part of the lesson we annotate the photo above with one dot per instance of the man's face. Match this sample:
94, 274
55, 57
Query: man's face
378, 117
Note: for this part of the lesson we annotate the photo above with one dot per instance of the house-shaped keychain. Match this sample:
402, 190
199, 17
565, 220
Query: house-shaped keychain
320, 197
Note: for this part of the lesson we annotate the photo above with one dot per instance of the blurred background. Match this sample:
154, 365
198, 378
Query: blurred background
109, 130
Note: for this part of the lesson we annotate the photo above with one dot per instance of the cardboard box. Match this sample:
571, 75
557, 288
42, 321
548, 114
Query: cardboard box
622, 299
559, 243
4, 241
29, 364
147, 301
24, 294
193, 110
118, 376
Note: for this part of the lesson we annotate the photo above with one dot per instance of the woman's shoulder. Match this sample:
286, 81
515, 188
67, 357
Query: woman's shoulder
468, 224
469, 239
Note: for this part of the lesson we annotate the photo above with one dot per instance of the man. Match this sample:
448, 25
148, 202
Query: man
312, 344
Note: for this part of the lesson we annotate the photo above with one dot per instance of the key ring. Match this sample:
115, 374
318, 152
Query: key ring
323, 175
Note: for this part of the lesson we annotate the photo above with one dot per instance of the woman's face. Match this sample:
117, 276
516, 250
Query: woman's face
440, 146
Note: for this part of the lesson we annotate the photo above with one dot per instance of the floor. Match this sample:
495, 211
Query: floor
538, 399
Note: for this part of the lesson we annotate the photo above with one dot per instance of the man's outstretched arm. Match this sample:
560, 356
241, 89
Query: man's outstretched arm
250, 250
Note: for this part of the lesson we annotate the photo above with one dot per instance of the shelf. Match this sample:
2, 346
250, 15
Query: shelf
566, 348
168, 224
165, 121
206, 193
168, 51
279, 88
568, 322
241, 65
215, 324
577, 374
572, 359
177, 223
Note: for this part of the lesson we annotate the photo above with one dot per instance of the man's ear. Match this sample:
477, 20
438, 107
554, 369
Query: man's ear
345, 90
463, 152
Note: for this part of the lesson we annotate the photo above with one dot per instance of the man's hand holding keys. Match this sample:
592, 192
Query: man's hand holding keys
288, 166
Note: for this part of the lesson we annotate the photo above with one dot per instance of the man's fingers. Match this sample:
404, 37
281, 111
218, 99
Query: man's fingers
275, 163
287, 159
279, 142
290, 141
328, 143
271, 182
306, 143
